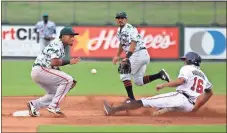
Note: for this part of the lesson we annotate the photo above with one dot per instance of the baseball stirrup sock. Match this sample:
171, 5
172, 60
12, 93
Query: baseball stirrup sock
149, 78
128, 87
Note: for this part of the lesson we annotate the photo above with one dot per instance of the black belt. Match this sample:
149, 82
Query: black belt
187, 96
142, 48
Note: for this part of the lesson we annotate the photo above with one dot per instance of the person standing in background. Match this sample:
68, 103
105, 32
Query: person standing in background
46, 30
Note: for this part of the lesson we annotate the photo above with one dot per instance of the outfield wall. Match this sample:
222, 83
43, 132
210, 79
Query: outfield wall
162, 42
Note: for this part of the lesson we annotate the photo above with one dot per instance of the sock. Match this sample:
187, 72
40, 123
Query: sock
150, 78
128, 87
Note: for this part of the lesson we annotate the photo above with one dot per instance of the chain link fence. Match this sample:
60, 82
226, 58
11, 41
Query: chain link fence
103, 13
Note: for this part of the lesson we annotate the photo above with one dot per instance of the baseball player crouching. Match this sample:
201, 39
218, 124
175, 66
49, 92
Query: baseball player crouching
137, 58
192, 92
46, 74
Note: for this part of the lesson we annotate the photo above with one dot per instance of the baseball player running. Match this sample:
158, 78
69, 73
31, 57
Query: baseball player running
192, 92
46, 30
46, 74
137, 58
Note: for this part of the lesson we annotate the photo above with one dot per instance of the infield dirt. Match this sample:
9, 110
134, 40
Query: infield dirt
88, 110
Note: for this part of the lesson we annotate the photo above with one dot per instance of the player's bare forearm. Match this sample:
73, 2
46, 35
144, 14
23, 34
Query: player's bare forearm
120, 50
63, 62
59, 62
132, 46
202, 100
131, 49
56, 62
174, 83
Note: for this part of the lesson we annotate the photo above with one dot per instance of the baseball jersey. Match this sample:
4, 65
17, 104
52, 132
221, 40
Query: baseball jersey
127, 34
46, 30
54, 50
195, 81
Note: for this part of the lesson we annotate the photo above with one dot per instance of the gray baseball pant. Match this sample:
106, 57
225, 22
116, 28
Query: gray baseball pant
43, 43
139, 61
56, 84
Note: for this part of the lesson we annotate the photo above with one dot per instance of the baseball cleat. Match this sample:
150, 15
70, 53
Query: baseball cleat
55, 111
164, 75
162, 111
108, 109
32, 110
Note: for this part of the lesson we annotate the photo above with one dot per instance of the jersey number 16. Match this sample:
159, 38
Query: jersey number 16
197, 85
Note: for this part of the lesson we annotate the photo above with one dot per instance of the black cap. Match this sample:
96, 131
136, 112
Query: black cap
121, 15
68, 31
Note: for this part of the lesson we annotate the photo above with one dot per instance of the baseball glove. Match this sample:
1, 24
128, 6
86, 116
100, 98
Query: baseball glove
124, 67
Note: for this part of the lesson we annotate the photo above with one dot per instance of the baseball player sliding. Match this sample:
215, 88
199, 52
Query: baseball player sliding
192, 92
46, 30
137, 58
46, 74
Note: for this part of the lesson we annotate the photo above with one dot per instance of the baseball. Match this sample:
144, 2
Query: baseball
93, 71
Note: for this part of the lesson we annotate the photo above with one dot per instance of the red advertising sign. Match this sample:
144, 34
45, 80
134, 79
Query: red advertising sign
101, 42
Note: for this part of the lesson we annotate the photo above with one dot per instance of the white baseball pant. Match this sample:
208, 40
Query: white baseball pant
169, 100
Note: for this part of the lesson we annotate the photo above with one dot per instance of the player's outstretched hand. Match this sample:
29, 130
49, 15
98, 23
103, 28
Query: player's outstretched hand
74, 60
159, 87
115, 59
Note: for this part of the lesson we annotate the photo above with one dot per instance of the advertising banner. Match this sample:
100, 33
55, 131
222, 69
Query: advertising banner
101, 42
21, 41
210, 43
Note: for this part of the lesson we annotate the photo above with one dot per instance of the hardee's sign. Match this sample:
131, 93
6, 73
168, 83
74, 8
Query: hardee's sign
101, 42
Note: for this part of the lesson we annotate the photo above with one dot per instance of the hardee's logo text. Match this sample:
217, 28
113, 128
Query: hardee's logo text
105, 38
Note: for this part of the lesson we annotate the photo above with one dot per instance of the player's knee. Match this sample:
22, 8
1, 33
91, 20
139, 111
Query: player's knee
68, 80
138, 82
